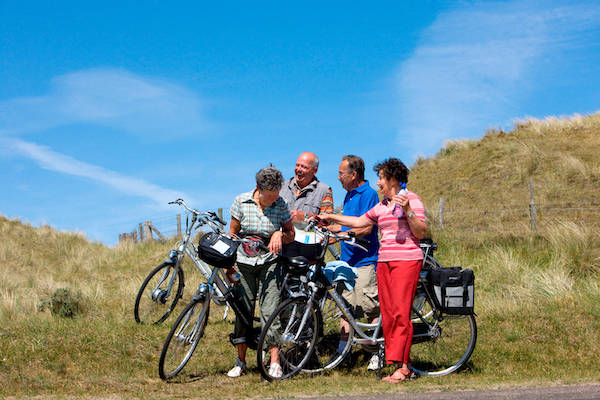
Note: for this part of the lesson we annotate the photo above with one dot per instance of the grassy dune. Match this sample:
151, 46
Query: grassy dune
485, 183
537, 296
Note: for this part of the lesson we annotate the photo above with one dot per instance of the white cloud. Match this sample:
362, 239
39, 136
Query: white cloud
53, 161
474, 65
108, 97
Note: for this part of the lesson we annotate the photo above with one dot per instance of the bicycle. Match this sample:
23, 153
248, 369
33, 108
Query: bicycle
294, 286
444, 342
189, 328
163, 287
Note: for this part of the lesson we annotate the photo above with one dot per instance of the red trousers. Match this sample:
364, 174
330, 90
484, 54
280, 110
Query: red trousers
396, 285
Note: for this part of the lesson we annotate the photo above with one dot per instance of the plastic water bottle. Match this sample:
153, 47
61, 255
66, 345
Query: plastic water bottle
398, 210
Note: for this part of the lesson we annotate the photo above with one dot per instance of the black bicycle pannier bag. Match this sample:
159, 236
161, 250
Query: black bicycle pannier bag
217, 250
454, 289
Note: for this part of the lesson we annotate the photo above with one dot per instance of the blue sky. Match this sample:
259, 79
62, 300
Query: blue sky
109, 110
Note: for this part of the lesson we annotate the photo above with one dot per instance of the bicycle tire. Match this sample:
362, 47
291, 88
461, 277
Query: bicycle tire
448, 352
326, 355
149, 310
183, 338
295, 341
429, 263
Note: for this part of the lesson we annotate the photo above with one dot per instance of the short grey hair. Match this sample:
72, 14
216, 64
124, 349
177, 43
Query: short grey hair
269, 178
355, 163
316, 161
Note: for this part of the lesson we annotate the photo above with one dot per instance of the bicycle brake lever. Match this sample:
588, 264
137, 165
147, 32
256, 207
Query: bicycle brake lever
216, 217
311, 224
354, 243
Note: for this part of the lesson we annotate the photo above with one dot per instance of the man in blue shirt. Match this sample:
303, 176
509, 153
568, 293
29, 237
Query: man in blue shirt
360, 198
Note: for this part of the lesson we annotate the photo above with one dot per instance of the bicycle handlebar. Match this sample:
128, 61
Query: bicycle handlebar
218, 219
349, 237
205, 217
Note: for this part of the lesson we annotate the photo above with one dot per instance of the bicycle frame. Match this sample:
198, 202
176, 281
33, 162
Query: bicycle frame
359, 327
214, 288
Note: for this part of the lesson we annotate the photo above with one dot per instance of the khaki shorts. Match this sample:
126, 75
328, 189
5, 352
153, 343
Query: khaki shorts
363, 298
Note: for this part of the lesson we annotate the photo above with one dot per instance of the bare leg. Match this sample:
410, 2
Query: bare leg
274, 355
241, 348
344, 329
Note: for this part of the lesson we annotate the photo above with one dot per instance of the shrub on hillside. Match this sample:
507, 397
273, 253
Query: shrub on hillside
63, 303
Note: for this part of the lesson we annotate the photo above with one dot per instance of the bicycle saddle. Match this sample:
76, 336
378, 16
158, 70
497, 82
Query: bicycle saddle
297, 264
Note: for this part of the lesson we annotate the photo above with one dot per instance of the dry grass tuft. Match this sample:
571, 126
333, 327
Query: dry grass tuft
574, 247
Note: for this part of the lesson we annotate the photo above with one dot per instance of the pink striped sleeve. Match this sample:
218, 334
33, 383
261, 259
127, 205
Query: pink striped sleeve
372, 214
416, 204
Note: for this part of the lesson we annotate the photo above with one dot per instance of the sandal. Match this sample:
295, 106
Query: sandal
400, 375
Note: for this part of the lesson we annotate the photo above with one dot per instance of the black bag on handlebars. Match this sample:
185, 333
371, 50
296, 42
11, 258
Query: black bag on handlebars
217, 250
454, 289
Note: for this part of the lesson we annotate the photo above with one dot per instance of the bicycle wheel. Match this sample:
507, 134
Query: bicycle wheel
446, 345
429, 263
419, 305
292, 329
183, 338
157, 297
327, 354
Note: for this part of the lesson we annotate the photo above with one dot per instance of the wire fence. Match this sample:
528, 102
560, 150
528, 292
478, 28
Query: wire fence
158, 228
534, 217
446, 215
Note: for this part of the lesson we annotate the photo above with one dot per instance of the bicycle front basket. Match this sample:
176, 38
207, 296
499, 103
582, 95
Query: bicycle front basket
305, 244
217, 250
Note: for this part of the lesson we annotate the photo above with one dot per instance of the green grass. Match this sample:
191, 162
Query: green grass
537, 296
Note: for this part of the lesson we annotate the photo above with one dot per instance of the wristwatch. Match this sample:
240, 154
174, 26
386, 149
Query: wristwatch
410, 215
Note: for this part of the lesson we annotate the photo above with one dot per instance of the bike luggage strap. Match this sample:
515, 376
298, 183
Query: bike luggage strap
465, 294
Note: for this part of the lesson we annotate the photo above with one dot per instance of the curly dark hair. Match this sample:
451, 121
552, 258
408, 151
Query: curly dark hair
393, 168
269, 178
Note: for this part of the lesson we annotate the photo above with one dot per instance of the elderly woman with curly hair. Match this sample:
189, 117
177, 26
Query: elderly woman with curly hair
263, 214
401, 221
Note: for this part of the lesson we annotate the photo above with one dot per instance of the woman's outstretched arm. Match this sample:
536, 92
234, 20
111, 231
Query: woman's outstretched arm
346, 220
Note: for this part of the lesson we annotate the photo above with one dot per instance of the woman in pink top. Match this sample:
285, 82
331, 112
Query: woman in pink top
399, 262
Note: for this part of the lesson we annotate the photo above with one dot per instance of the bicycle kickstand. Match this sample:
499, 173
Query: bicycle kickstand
381, 359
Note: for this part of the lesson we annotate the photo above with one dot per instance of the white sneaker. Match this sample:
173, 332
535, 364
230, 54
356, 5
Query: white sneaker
238, 369
275, 370
373, 363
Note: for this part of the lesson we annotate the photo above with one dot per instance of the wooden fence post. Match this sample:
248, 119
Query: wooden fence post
441, 214
532, 210
147, 230
128, 236
141, 230
153, 229
220, 213
178, 224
